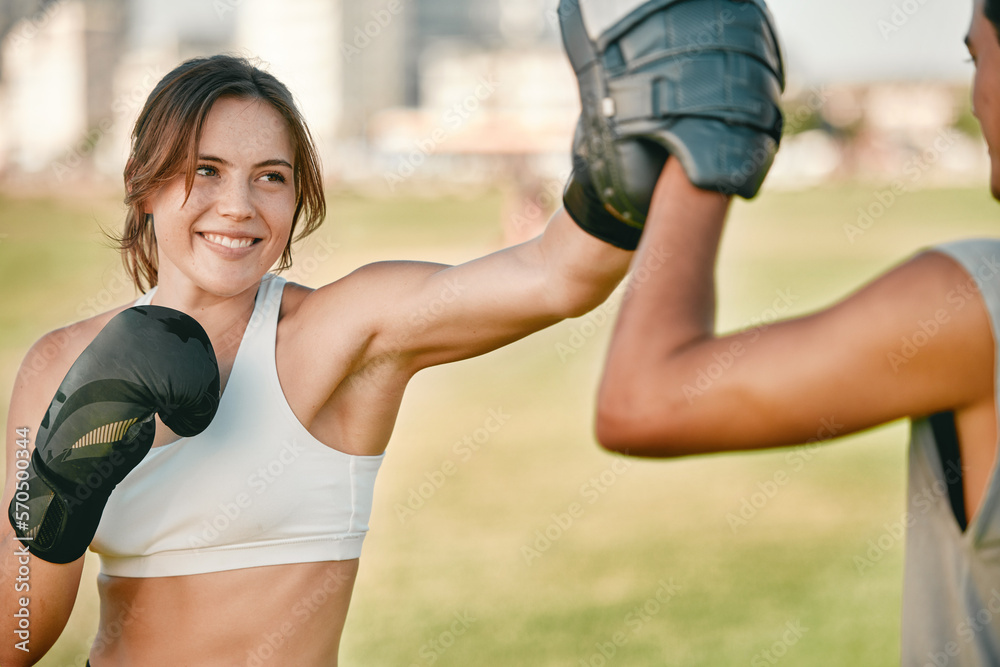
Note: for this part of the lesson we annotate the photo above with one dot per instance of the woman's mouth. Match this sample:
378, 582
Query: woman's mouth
230, 241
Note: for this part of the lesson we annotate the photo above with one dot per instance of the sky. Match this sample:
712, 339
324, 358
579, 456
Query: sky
824, 40
873, 40
853, 40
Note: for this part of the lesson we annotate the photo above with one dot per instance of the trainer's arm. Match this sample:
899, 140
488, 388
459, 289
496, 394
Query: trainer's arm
48, 590
831, 373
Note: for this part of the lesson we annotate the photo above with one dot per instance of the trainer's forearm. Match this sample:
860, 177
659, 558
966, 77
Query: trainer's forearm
676, 301
668, 308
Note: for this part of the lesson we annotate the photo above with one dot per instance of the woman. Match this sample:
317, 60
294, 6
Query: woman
216, 545
849, 363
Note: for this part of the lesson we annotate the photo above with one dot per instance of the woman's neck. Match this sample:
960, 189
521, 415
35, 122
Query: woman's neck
224, 318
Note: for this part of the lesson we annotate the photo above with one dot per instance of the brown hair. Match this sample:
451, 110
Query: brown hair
991, 9
165, 141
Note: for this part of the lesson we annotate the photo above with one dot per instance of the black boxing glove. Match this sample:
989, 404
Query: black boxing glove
147, 360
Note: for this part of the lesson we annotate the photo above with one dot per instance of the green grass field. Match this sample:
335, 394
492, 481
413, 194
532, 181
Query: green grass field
539, 548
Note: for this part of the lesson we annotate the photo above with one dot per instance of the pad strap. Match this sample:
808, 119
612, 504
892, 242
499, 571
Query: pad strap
640, 97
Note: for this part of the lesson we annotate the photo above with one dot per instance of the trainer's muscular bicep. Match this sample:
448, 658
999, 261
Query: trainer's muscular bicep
913, 342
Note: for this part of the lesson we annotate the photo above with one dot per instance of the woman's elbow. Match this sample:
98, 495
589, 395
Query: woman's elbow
579, 300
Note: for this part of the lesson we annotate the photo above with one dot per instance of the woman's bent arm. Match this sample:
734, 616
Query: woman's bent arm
36, 597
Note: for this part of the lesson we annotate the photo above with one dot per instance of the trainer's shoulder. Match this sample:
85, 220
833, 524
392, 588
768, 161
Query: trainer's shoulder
979, 257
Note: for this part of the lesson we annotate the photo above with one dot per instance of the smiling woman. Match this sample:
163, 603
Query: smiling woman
219, 545
167, 132
251, 186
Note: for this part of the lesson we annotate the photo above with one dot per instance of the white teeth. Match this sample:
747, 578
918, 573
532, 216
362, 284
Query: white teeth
229, 241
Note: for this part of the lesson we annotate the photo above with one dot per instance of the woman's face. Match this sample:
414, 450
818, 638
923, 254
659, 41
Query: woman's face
236, 222
985, 50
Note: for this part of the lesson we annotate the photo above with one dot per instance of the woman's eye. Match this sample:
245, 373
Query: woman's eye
273, 177
205, 170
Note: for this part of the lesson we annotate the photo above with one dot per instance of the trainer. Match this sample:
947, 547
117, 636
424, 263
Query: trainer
843, 361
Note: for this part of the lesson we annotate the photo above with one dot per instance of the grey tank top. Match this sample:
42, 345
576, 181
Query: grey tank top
951, 586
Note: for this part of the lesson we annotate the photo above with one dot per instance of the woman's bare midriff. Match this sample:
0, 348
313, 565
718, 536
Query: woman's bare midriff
274, 615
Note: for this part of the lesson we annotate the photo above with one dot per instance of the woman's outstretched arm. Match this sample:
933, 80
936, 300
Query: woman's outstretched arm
420, 314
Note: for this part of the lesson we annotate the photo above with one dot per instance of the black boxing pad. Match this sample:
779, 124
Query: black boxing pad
697, 79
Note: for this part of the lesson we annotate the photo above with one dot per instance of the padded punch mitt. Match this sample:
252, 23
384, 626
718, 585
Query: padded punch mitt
147, 360
697, 79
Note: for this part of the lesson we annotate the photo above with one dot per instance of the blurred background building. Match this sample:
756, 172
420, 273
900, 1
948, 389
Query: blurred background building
408, 94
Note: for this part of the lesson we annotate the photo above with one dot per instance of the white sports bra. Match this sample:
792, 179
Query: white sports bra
255, 488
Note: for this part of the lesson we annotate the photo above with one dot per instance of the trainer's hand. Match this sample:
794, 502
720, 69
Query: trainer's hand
147, 360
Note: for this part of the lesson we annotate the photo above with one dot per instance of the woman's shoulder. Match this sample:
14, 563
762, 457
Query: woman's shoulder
293, 296
51, 356
341, 318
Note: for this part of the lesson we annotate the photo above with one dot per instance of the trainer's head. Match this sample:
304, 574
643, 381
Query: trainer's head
165, 144
984, 46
